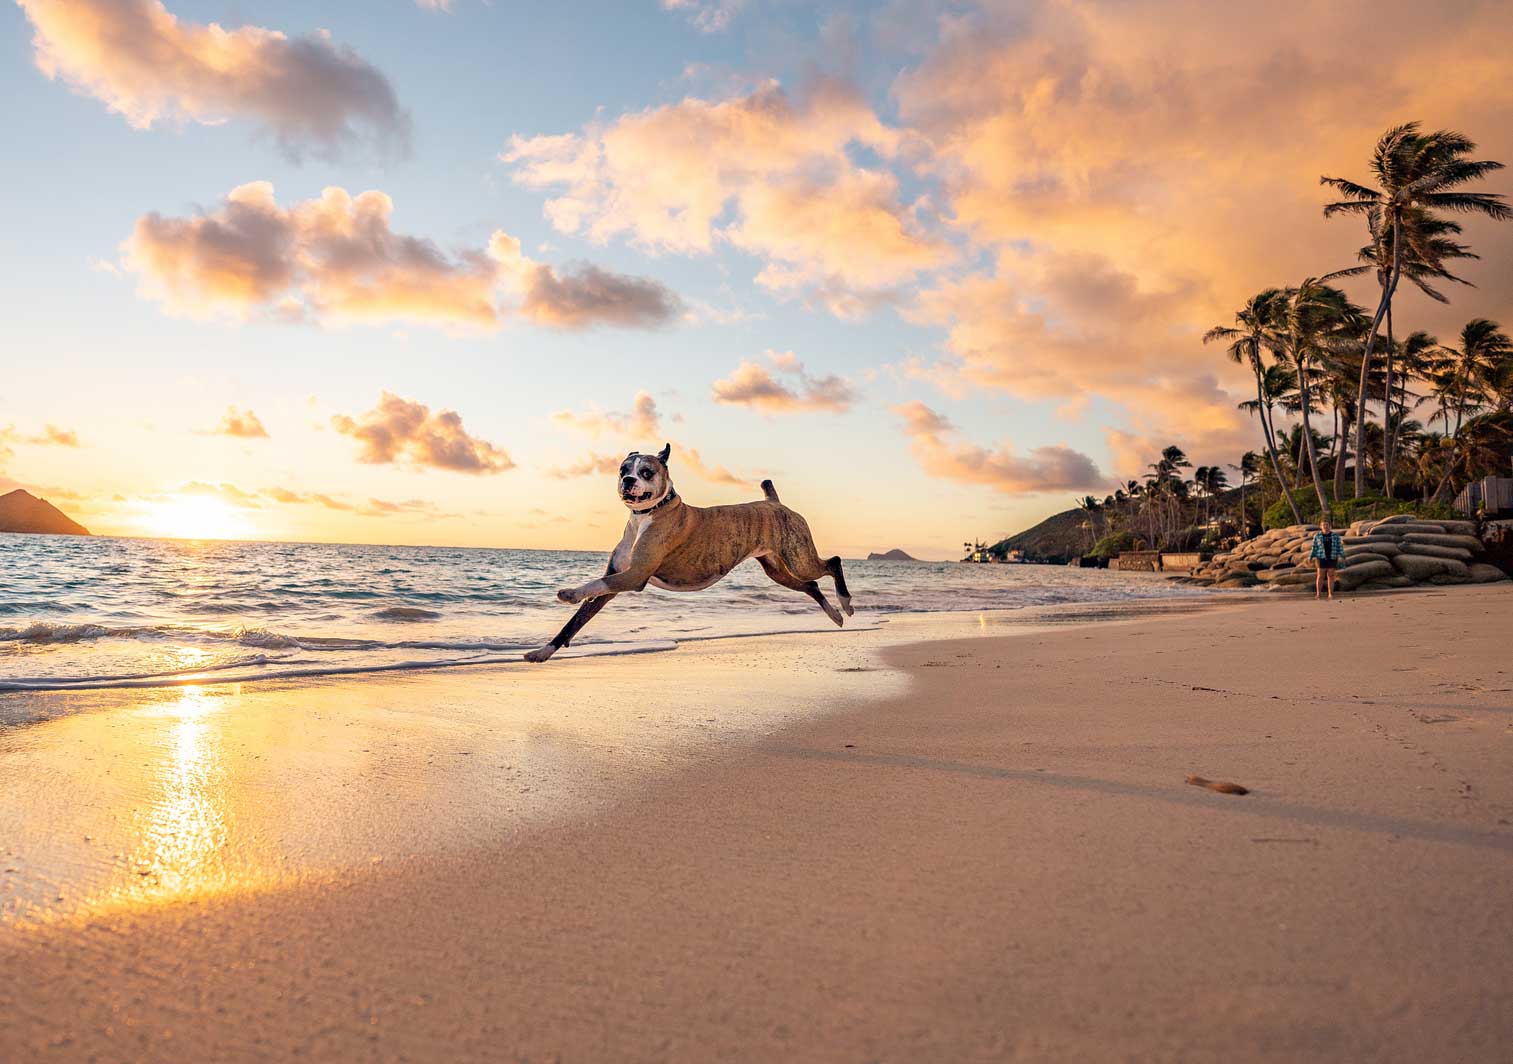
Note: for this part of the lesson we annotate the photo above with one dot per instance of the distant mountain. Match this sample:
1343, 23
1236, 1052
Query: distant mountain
1057, 538
1061, 537
894, 555
21, 511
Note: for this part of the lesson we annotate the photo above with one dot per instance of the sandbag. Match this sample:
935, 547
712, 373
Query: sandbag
1482, 573
1419, 567
1446, 540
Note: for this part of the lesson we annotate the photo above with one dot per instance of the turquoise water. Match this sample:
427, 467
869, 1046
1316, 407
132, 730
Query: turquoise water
79, 612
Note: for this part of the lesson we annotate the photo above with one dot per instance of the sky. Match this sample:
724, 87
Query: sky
423, 271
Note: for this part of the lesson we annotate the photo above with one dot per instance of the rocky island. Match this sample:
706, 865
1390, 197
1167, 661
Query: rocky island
21, 511
894, 555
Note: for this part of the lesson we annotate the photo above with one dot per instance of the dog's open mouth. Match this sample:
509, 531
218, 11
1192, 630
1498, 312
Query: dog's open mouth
630, 496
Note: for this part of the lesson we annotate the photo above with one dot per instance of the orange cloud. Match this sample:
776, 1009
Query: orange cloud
53, 436
708, 471
294, 498
337, 259
753, 385
1136, 178
602, 464
665, 177
146, 65
241, 423
1053, 468
402, 430
642, 421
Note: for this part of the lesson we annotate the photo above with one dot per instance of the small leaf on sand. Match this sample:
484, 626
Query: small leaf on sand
1222, 786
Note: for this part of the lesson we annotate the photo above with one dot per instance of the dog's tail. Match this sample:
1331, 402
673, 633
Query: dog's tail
769, 491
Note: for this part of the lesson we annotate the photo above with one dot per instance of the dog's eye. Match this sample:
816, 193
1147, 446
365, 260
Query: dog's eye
645, 474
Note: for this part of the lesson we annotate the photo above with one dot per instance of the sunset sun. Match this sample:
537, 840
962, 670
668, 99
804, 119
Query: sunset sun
192, 517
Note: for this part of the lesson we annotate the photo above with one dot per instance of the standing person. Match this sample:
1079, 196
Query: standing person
1328, 551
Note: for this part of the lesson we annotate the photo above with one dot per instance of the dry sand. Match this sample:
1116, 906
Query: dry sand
752, 851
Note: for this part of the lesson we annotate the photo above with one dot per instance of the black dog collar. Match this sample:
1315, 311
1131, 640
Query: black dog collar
669, 497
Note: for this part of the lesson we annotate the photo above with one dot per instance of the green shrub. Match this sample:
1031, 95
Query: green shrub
1112, 545
1347, 511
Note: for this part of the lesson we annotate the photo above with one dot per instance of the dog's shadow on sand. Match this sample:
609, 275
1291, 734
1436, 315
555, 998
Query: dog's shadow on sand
1255, 804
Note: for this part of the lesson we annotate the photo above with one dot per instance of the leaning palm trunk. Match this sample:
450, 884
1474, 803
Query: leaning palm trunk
1387, 427
1267, 430
1341, 447
1460, 415
1376, 323
1313, 458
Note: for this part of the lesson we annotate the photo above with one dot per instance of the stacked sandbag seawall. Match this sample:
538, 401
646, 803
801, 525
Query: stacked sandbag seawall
1394, 552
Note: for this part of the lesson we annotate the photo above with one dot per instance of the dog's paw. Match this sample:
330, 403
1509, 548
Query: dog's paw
570, 596
846, 607
540, 654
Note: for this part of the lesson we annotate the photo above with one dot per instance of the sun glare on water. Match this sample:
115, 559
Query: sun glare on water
194, 517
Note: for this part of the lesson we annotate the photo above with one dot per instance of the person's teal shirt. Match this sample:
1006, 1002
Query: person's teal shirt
1336, 546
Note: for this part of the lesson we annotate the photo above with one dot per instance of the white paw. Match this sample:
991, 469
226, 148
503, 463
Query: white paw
569, 596
540, 654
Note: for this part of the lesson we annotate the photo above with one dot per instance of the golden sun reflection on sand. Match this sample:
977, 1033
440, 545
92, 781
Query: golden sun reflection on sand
181, 835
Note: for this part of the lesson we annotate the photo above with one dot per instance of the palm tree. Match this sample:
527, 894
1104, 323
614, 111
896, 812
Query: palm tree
1246, 343
1421, 258
1090, 508
1417, 173
1484, 348
1420, 356
1317, 322
1249, 469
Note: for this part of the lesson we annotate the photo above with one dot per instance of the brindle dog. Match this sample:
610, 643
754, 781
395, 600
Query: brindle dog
678, 547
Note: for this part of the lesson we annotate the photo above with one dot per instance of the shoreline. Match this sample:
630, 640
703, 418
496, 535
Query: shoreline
976, 846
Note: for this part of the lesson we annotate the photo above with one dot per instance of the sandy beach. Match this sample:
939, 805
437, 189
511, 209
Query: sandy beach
959, 838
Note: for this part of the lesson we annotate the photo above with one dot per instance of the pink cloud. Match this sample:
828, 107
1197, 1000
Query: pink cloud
402, 430
146, 65
1050, 468
337, 259
754, 385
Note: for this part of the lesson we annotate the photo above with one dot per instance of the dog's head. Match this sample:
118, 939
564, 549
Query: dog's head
644, 479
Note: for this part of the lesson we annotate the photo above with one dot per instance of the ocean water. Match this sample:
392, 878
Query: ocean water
87, 613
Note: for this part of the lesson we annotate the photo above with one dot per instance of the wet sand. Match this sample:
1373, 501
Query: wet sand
857, 848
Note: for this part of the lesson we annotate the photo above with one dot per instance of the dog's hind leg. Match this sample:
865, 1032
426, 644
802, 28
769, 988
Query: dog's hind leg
781, 575
585, 614
833, 567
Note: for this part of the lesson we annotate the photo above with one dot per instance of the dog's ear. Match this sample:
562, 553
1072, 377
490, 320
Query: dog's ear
632, 454
664, 453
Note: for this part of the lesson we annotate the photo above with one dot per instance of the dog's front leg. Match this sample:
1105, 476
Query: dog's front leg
585, 614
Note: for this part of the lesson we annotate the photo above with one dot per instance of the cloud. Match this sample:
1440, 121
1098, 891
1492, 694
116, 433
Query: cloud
643, 420
385, 508
753, 385
402, 430
709, 16
1050, 468
336, 259
590, 465
373, 507
764, 172
1129, 179
241, 423
436, 5
707, 471
143, 63
294, 498
584, 296
52, 436
684, 457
